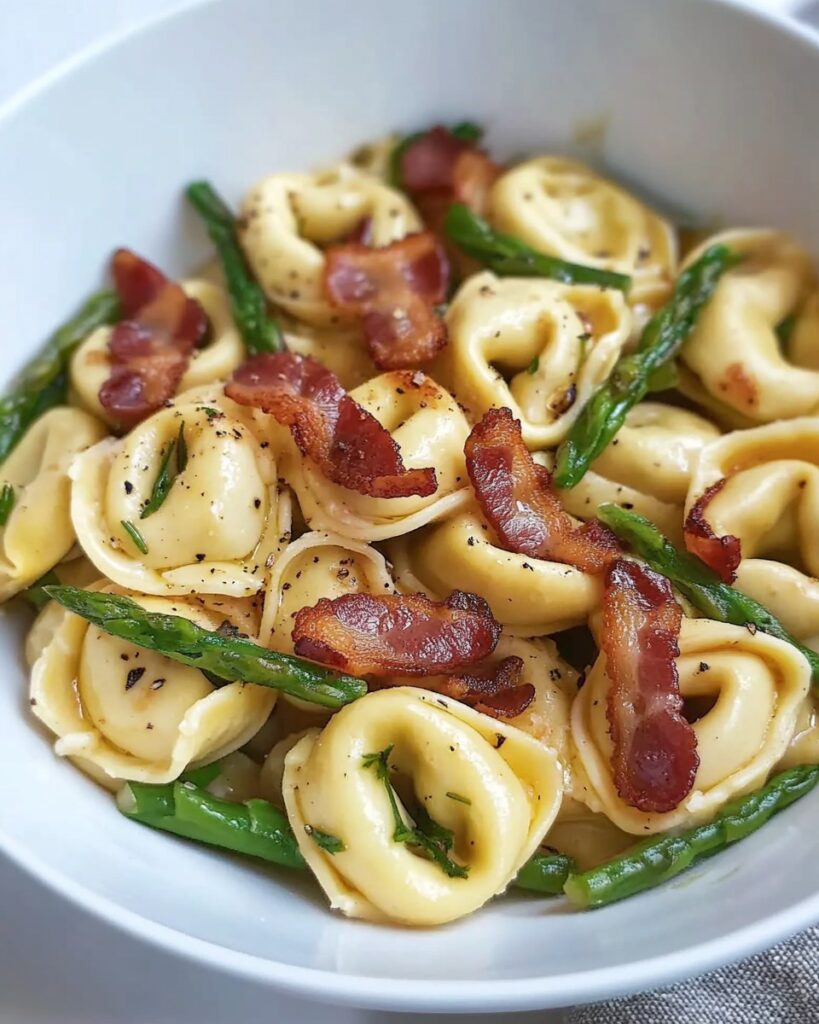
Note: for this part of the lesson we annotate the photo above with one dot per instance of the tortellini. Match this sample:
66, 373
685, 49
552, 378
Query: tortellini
737, 366
38, 532
317, 565
507, 790
124, 712
528, 596
287, 219
215, 360
224, 518
430, 430
537, 347
563, 208
341, 350
588, 838
743, 691
647, 467
770, 502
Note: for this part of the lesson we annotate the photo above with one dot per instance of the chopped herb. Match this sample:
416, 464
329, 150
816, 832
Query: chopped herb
784, 329
460, 799
430, 837
166, 475
135, 535
534, 366
209, 411
7, 499
328, 843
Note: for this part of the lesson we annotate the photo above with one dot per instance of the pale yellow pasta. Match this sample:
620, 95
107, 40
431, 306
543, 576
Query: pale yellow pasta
317, 565
769, 502
562, 207
91, 364
222, 523
340, 349
528, 596
38, 532
537, 347
429, 429
647, 467
588, 838
124, 712
734, 358
747, 689
509, 785
286, 219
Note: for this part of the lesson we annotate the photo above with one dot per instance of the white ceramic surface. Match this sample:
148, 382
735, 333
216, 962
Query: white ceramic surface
709, 108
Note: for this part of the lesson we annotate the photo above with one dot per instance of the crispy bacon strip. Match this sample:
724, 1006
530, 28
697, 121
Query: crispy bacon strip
517, 498
494, 690
393, 290
655, 749
396, 634
346, 442
440, 167
151, 346
722, 554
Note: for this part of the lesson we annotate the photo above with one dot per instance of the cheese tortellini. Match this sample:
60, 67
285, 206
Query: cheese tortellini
222, 523
528, 596
124, 712
647, 467
215, 360
507, 787
563, 208
737, 366
38, 532
429, 429
539, 348
769, 501
743, 691
287, 218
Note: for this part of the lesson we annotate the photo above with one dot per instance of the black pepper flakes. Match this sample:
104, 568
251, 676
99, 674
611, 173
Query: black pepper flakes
134, 677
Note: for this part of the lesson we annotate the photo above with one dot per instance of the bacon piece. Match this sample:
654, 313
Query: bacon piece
517, 498
722, 554
655, 749
439, 165
394, 290
396, 634
151, 346
346, 442
494, 690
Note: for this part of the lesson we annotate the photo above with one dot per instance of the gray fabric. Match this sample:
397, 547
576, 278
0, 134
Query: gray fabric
777, 987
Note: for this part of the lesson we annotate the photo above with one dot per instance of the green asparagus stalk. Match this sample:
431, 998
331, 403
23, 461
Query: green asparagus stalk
545, 873
629, 382
696, 581
259, 330
255, 827
228, 657
655, 860
507, 256
35, 595
43, 382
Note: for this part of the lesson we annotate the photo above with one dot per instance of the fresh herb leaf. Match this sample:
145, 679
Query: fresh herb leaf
209, 411
328, 843
435, 840
460, 799
135, 535
534, 366
7, 499
169, 468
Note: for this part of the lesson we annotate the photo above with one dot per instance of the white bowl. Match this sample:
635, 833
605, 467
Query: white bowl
708, 107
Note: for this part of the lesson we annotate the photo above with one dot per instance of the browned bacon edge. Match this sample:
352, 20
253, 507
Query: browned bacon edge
722, 553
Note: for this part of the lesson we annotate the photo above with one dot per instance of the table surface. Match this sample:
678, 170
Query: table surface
59, 964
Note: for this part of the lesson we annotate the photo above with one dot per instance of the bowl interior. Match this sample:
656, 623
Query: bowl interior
702, 107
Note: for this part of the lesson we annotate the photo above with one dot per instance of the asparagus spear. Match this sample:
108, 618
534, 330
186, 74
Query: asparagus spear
42, 384
229, 657
255, 827
629, 382
260, 332
696, 581
258, 829
655, 860
507, 256
544, 873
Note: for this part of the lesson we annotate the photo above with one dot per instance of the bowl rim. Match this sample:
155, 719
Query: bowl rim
424, 995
